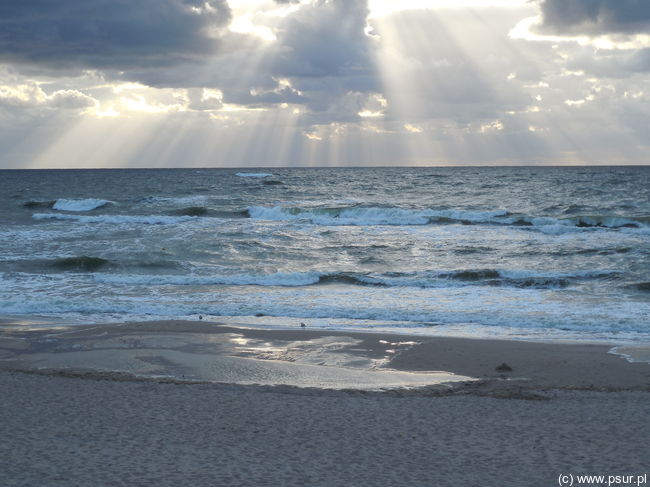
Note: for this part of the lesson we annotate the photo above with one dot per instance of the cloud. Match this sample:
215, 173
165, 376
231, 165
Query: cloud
611, 63
595, 17
175, 80
325, 38
109, 34
322, 48
71, 99
31, 95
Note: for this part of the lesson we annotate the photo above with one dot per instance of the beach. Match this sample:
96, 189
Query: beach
563, 409
324, 243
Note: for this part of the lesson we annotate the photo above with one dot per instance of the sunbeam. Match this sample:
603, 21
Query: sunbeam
330, 82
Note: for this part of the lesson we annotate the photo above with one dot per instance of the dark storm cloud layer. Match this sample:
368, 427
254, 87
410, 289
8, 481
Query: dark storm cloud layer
595, 17
109, 34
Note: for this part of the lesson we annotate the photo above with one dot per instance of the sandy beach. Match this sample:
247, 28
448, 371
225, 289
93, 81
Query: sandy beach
563, 409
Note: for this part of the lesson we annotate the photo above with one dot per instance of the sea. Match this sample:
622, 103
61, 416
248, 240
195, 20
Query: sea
507, 252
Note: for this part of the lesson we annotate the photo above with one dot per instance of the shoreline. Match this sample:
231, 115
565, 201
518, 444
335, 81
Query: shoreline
207, 352
283, 324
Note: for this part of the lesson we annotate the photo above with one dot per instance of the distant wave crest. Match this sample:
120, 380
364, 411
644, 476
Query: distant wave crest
254, 174
362, 216
369, 215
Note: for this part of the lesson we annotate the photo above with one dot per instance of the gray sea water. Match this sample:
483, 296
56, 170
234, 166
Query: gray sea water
523, 252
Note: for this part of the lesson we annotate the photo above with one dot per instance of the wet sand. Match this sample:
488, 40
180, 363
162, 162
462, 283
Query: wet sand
125, 405
201, 351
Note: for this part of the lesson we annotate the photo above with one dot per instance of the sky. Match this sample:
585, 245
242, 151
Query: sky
256, 83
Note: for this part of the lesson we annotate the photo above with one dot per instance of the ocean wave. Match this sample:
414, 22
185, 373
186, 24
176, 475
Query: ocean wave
467, 308
369, 215
481, 277
641, 286
421, 279
286, 279
254, 174
585, 222
80, 263
116, 219
362, 216
87, 204
192, 200
38, 204
192, 211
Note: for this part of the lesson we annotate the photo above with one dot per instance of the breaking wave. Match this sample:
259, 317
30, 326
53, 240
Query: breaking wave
116, 219
367, 216
278, 279
80, 263
88, 204
422, 279
371, 215
192, 200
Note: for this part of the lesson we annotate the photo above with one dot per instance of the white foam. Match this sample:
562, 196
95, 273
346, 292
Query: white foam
287, 279
488, 216
362, 216
253, 174
193, 200
79, 205
633, 354
557, 229
536, 310
555, 226
424, 279
636, 231
116, 219
528, 274
452, 278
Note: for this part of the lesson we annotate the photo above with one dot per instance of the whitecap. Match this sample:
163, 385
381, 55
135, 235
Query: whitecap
87, 204
116, 219
193, 200
254, 174
285, 279
367, 216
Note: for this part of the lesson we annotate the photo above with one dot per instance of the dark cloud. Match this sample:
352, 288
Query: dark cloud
595, 17
324, 50
325, 38
321, 48
109, 34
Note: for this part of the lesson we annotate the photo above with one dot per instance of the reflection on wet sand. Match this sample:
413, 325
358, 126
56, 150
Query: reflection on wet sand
206, 352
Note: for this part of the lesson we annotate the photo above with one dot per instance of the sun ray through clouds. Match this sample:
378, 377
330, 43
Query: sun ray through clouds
327, 82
